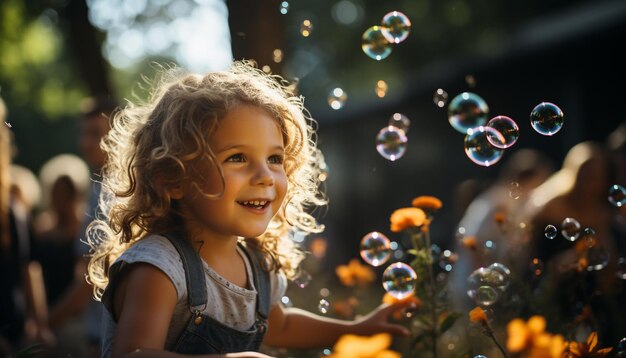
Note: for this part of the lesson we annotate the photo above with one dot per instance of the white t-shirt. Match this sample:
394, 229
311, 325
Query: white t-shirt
231, 305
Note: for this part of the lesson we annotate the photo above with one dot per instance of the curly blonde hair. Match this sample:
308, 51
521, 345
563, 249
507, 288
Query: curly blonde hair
152, 146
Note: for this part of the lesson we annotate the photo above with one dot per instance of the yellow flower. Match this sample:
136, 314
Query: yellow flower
477, 315
355, 274
587, 349
415, 302
353, 346
405, 218
531, 339
429, 204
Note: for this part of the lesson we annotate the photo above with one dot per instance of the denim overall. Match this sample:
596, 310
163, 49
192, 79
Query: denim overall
205, 335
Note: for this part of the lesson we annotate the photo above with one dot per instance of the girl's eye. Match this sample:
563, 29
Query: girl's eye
276, 159
236, 158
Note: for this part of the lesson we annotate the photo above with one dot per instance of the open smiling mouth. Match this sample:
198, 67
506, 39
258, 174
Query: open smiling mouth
255, 204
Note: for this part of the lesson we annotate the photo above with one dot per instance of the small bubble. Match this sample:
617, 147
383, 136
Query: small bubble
440, 97
478, 148
324, 292
323, 306
505, 126
381, 88
306, 28
284, 7
620, 271
302, 279
617, 195
391, 143
375, 248
550, 231
546, 118
589, 237
536, 267
399, 280
400, 121
570, 229
514, 190
396, 27
374, 44
277, 55
470, 80
467, 111
337, 98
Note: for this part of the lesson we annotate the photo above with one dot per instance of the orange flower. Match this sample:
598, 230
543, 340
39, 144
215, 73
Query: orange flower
355, 274
318, 247
353, 346
429, 204
499, 218
530, 338
416, 303
477, 315
469, 242
587, 349
344, 309
405, 218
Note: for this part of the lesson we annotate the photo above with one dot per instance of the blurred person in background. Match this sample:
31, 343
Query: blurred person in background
23, 313
77, 300
489, 229
578, 281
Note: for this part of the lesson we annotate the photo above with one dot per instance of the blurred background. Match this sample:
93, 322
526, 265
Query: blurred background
514, 54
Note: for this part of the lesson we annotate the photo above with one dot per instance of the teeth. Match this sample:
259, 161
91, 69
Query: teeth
256, 203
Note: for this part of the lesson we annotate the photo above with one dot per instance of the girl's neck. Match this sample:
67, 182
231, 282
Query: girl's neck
214, 249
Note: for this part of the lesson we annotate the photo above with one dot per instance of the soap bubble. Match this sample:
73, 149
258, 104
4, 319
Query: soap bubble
466, 111
550, 232
396, 27
391, 143
570, 229
546, 118
440, 97
485, 286
400, 121
374, 44
399, 280
478, 148
375, 248
617, 195
505, 126
337, 98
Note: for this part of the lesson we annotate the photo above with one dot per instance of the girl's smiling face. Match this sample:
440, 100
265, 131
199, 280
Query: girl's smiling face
248, 145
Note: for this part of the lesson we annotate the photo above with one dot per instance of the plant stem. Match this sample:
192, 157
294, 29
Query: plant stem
433, 308
489, 332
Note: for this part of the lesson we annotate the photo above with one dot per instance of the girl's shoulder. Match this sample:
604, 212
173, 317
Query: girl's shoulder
157, 251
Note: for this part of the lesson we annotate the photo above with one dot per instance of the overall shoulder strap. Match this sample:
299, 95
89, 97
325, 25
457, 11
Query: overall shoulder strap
194, 271
261, 280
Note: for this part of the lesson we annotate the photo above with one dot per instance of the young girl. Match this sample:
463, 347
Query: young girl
202, 186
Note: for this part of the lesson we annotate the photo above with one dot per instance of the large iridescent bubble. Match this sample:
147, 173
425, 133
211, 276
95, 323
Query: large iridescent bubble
479, 148
391, 143
374, 43
396, 27
546, 118
467, 111
375, 248
399, 280
507, 127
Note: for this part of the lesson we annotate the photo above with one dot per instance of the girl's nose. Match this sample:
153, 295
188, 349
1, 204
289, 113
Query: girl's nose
263, 176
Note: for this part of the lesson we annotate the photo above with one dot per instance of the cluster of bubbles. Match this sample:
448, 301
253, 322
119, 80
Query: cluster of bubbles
399, 279
597, 257
487, 285
391, 140
486, 138
377, 41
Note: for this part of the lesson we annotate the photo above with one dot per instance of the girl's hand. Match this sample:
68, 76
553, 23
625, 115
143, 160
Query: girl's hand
377, 321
